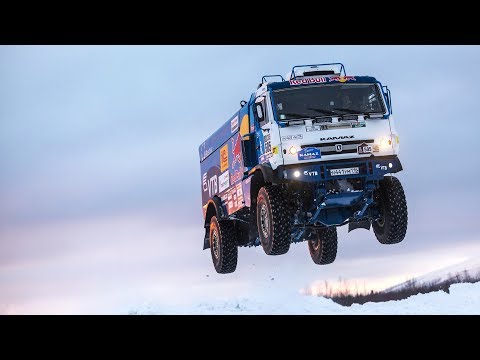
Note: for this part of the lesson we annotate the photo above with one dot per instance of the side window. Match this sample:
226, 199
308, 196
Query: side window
260, 113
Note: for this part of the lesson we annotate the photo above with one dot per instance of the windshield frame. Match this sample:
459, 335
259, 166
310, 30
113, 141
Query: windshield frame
385, 113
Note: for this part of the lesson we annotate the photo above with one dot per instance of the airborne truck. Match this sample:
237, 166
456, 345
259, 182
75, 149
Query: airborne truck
307, 153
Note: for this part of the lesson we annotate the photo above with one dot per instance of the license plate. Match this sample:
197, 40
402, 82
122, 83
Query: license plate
345, 171
364, 149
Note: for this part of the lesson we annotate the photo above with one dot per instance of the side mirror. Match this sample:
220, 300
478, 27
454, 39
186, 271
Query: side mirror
388, 97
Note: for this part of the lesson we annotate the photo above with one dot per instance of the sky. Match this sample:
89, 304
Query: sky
100, 184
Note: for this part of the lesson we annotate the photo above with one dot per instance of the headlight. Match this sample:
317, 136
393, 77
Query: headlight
385, 143
293, 150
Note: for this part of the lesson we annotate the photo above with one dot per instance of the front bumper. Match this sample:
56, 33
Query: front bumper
372, 168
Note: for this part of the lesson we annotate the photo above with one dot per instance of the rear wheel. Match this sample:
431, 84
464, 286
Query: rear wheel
273, 220
323, 246
391, 228
223, 246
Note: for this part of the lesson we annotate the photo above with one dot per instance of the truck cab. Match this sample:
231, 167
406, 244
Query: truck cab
310, 151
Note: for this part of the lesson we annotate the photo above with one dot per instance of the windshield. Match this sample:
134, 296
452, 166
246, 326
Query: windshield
327, 100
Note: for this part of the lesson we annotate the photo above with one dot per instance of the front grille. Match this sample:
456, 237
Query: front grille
330, 147
333, 152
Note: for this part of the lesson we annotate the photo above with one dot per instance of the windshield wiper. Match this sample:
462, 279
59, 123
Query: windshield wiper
365, 114
351, 111
324, 111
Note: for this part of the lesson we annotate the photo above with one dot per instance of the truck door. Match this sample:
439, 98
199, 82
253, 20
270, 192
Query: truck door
267, 136
262, 130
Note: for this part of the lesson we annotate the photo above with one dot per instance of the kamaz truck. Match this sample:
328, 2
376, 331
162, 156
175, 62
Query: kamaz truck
307, 153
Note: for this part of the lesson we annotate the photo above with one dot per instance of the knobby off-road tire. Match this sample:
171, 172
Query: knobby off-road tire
223, 246
273, 220
392, 226
323, 247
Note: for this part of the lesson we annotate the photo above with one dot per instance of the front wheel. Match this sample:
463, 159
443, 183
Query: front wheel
273, 220
323, 246
391, 228
223, 246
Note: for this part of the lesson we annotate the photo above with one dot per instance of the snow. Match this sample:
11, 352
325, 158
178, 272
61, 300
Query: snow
272, 296
463, 299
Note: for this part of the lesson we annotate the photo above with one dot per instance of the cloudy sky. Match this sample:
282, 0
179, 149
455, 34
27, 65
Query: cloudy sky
100, 206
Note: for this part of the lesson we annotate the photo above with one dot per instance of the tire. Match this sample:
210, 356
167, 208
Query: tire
223, 246
323, 248
390, 197
273, 220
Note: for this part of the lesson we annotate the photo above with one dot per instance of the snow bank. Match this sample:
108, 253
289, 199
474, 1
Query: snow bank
463, 299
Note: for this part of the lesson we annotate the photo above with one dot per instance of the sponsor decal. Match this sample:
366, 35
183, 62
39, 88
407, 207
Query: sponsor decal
204, 182
235, 198
235, 177
224, 158
337, 138
310, 173
268, 147
382, 167
264, 158
234, 124
292, 137
341, 79
224, 181
210, 184
309, 154
205, 152
359, 124
244, 124
266, 137
275, 150
364, 149
236, 151
321, 79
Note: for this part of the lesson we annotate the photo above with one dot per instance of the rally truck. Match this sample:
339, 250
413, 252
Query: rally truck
307, 153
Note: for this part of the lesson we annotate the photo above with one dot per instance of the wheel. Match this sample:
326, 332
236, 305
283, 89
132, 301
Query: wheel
392, 204
323, 247
273, 220
223, 246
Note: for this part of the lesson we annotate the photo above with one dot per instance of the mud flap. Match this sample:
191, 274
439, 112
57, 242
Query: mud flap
363, 224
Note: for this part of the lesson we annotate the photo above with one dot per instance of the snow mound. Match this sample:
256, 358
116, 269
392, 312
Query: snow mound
463, 299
